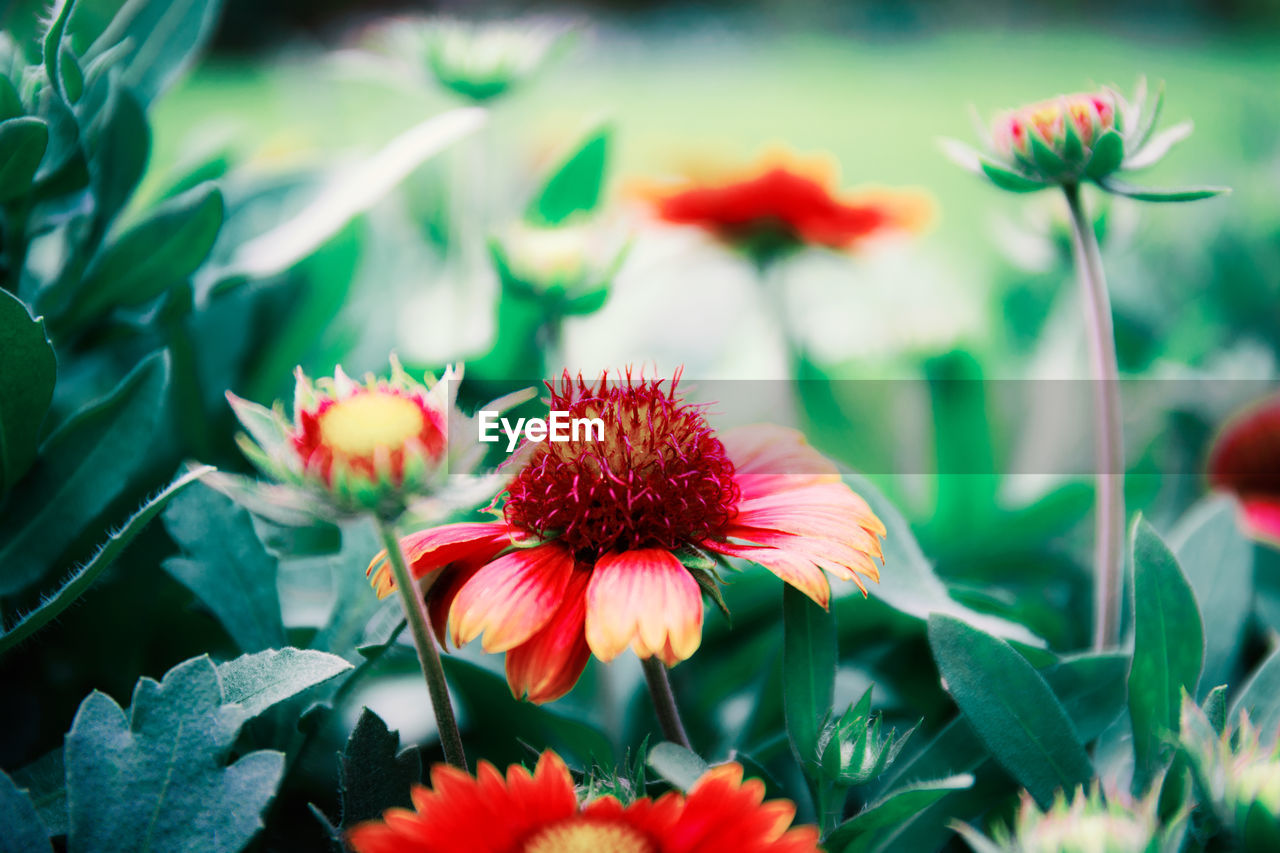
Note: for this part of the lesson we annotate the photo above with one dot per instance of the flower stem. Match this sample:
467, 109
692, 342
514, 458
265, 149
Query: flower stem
415, 611
664, 702
1109, 429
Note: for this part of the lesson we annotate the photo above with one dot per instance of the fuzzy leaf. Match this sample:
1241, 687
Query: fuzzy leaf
576, 185
1168, 648
679, 766
82, 578
154, 779
163, 37
227, 567
28, 371
22, 145
23, 831
1260, 696
256, 682
375, 774
1011, 708
1128, 190
83, 466
808, 670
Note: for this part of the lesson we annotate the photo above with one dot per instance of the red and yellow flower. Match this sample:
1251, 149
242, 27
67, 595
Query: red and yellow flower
356, 446
602, 545
783, 204
1245, 461
540, 813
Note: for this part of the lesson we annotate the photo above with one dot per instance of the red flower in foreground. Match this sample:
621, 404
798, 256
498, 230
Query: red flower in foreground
781, 206
540, 813
588, 556
1245, 460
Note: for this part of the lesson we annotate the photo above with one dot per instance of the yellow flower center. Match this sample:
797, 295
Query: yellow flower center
587, 836
366, 421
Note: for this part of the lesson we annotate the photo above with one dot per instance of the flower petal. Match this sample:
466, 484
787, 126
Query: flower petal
436, 547
511, 598
647, 600
795, 569
548, 664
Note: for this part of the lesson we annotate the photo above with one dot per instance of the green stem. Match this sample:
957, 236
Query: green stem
664, 702
1109, 429
415, 611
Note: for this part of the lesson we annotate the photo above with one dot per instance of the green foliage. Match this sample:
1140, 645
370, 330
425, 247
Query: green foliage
28, 371
374, 773
808, 671
256, 682
857, 833
154, 778
1011, 708
676, 764
23, 831
575, 187
1168, 649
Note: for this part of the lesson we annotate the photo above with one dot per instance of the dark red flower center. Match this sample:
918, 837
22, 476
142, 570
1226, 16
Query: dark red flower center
658, 479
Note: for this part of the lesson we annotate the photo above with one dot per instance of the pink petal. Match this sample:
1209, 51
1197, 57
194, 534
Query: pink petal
511, 598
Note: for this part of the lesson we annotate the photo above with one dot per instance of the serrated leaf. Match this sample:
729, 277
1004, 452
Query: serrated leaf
82, 468
679, 766
1260, 696
82, 578
808, 670
1128, 190
374, 773
256, 682
164, 36
1108, 153
1217, 559
1009, 179
22, 830
1011, 708
854, 835
23, 142
1168, 648
153, 779
912, 587
226, 566
161, 250
1158, 146
576, 184
28, 371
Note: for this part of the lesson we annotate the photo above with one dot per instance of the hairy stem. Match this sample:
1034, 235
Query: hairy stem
664, 702
415, 611
1109, 430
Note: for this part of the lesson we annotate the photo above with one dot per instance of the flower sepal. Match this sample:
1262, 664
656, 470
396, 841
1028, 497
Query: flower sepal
855, 749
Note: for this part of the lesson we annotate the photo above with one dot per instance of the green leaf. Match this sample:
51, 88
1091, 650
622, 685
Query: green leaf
1217, 559
1108, 152
79, 581
374, 773
163, 36
1010, 179
45, 781
1011, 708
1046, 159
576, 184
23, 831
163, 249
1260, 696
1128, 190
10, 102
354, 600
82, 468
118, 156
912, 587
154, 779
1168, 648
1158, 146
226, 566
349, 194
28, 371
1215, 708
679, 766
22, 145
808, 670
53, 41
855, 833
256, 682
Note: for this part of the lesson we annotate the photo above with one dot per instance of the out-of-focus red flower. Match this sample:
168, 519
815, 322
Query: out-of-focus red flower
782, 204
540, 813
1245, 460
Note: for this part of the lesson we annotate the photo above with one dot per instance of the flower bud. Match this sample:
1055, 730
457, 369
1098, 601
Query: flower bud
483, 61
563, 267
854, 749
1085, 824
